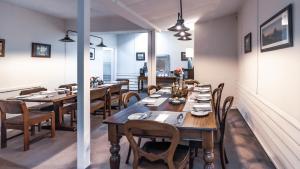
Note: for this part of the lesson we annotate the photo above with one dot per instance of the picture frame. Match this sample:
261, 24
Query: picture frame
277, 32
2, 47
248, 43
140, 56
183, 56
92, 53
41, 50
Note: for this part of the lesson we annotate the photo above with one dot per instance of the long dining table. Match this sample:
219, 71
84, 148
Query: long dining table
192, 129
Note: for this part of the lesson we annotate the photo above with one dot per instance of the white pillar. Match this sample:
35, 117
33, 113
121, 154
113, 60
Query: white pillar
83, 80
151, 58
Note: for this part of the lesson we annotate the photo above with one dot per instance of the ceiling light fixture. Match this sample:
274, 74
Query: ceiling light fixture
68, 39
185, 38
180, 27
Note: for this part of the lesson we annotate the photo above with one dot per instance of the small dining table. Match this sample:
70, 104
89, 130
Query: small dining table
192, 129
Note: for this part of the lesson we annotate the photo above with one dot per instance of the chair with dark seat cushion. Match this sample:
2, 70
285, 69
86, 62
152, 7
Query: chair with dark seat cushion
24, 120
156, 153
115, 94
98, 100
226, 107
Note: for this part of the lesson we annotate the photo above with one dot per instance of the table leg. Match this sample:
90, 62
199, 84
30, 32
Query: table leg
115, 146
139, 90
208, 145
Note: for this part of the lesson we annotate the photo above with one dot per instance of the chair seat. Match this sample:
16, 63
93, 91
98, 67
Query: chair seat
34, 115
97, 104
68, 107
115, 97
42, 107
181, 154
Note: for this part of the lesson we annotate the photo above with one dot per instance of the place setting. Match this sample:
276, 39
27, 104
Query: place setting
201, 109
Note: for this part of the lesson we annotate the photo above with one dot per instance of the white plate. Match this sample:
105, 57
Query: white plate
200, 113
155, 96
202, 107
137, 116
203, 99
204, 95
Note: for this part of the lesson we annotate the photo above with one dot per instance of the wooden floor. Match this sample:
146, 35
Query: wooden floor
244, 152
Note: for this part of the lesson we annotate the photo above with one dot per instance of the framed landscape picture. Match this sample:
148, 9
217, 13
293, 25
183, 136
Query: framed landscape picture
92, 53
248, 43
183, 56
277, 32
41, 50
140, 56
2, 47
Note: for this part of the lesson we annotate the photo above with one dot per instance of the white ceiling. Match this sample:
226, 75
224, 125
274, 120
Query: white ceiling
161, 13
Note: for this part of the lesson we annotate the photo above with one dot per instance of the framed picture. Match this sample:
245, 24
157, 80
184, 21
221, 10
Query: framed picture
140, 56
41, 50
2, 47
92, 53
183, 56
277, 32
248, 43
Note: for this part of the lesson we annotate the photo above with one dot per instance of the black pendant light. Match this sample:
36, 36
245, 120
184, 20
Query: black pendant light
182, 33
101, 45
180, 27
67, 39
185, 38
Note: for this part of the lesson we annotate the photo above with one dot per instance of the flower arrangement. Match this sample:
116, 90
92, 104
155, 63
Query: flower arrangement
178, 71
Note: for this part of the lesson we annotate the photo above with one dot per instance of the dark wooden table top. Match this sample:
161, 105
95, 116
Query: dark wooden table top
51, 97
191, 122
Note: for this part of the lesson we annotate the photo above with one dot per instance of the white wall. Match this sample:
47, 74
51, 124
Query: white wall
127, 65
216, 53
269, 85
20, 27
167, 44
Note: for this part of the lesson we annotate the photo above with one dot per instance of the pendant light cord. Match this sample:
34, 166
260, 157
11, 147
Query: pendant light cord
181, 14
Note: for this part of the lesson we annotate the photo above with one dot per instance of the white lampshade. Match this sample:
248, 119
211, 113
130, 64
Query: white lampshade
189, 52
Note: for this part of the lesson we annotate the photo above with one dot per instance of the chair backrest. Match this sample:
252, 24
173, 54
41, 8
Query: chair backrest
68, 86
191, 82
152, 128
98, 94
216, 96
151, 88
115, 89
128, 96
221, 86
12, 107
33, 90
226, 107
125, 82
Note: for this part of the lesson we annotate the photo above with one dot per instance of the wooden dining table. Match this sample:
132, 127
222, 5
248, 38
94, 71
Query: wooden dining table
193, 129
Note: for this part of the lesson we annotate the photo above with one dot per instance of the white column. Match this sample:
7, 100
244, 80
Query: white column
151, 58
83, 79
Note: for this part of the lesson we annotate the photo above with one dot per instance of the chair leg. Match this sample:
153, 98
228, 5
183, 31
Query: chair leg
26, 138
226, 158
3, 136
72, 118
53, 126
32, 129
39, 127
222, 156
128, 154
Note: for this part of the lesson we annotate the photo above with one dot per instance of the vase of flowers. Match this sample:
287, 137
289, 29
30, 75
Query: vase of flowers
179, 74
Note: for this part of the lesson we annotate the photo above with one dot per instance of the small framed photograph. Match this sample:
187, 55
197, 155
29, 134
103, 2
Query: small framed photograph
277, 32
248, 43
183, 56
2, 47
92, 53
41, 50
140, 56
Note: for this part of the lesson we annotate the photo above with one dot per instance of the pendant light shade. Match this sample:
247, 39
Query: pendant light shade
185, 38
101, 45
182, 33
67, 39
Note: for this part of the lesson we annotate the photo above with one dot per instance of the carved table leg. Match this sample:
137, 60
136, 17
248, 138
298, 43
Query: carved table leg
208, 155
115, 146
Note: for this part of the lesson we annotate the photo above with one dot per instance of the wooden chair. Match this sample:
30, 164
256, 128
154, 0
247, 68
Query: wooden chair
151, 88
125, 85
24, 121
68, 107
39, 107
126, 100
216, 100
226, 107
191, 82
115, 95
98, 100
170, 153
